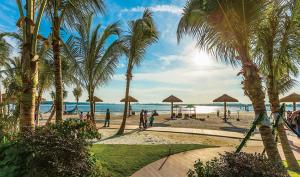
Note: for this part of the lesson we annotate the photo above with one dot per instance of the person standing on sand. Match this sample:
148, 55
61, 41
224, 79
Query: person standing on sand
218, 113
107, 118
81, 116
141, 119
145, 118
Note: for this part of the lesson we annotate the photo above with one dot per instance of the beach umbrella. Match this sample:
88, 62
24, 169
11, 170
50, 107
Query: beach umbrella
225, 98
294, 98
130, 100
95, 99
172, 99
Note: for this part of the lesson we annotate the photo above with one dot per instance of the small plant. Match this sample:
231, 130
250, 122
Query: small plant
238, 165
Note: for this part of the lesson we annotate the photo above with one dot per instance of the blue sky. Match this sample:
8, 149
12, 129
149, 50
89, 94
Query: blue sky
168, 67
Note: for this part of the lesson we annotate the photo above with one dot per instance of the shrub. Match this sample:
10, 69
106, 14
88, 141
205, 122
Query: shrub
56, 150
238, 165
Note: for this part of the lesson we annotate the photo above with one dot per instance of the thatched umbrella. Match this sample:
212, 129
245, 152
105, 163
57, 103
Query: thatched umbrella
95, 99
172, 99
130, 100
225, 98
294, 98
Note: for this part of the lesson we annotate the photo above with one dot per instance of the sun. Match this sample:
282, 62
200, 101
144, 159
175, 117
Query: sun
200, 58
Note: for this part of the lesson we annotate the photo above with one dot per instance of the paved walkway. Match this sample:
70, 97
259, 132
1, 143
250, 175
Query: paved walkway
219, 133
177, 165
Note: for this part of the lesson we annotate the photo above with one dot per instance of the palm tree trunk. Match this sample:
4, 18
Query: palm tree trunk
51, 115
122, 127
92, 108
30, 73
254, 90
275, 107
58, 70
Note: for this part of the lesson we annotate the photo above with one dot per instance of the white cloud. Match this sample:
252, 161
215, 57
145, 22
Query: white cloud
158, 8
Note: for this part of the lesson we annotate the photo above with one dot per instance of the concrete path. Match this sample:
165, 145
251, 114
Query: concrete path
219, 133
178, 165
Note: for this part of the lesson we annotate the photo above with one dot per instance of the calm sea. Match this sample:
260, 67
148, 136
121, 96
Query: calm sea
161, 108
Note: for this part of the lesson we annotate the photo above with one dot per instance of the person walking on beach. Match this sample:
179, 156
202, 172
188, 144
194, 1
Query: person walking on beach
229, 113
141, 119
218, 113
107, 118
145, 117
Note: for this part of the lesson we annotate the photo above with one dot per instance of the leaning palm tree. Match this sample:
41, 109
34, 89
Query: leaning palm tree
66, 12
31, 13
276, 47
225, 28
77, 92
94, 55
142, 34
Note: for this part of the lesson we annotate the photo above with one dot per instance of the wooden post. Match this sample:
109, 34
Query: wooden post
294, 106
171, 109
225, 116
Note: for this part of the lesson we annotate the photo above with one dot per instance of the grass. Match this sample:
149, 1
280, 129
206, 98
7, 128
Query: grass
124, 160
293, 174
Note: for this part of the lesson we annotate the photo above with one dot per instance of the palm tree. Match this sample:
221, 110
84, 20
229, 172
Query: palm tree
94, 56
66, 12
277, 43
142, 33
77, 92
30, 17
225, 28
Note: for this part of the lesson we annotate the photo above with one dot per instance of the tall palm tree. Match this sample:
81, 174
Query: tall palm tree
94, 56
66, 12
225, 28
31, 13
77, 92
277, 41
142, 34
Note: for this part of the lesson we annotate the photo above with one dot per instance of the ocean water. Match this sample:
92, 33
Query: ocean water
160, 108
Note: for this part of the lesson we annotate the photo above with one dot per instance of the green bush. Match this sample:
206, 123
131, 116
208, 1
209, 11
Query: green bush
238, 165
56, 150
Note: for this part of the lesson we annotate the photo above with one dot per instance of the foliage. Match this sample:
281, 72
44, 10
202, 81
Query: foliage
238, 165
123, 160
50, 151
8, 128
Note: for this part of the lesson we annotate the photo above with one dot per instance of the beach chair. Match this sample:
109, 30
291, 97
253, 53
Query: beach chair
179, 115
194, 116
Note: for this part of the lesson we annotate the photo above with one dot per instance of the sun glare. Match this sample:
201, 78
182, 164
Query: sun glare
200, 58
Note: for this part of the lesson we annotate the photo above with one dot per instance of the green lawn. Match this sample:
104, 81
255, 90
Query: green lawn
293, 174
124, 160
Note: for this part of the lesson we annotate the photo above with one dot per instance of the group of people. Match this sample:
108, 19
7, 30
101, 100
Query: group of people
144, 118
293, 119
87, 117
